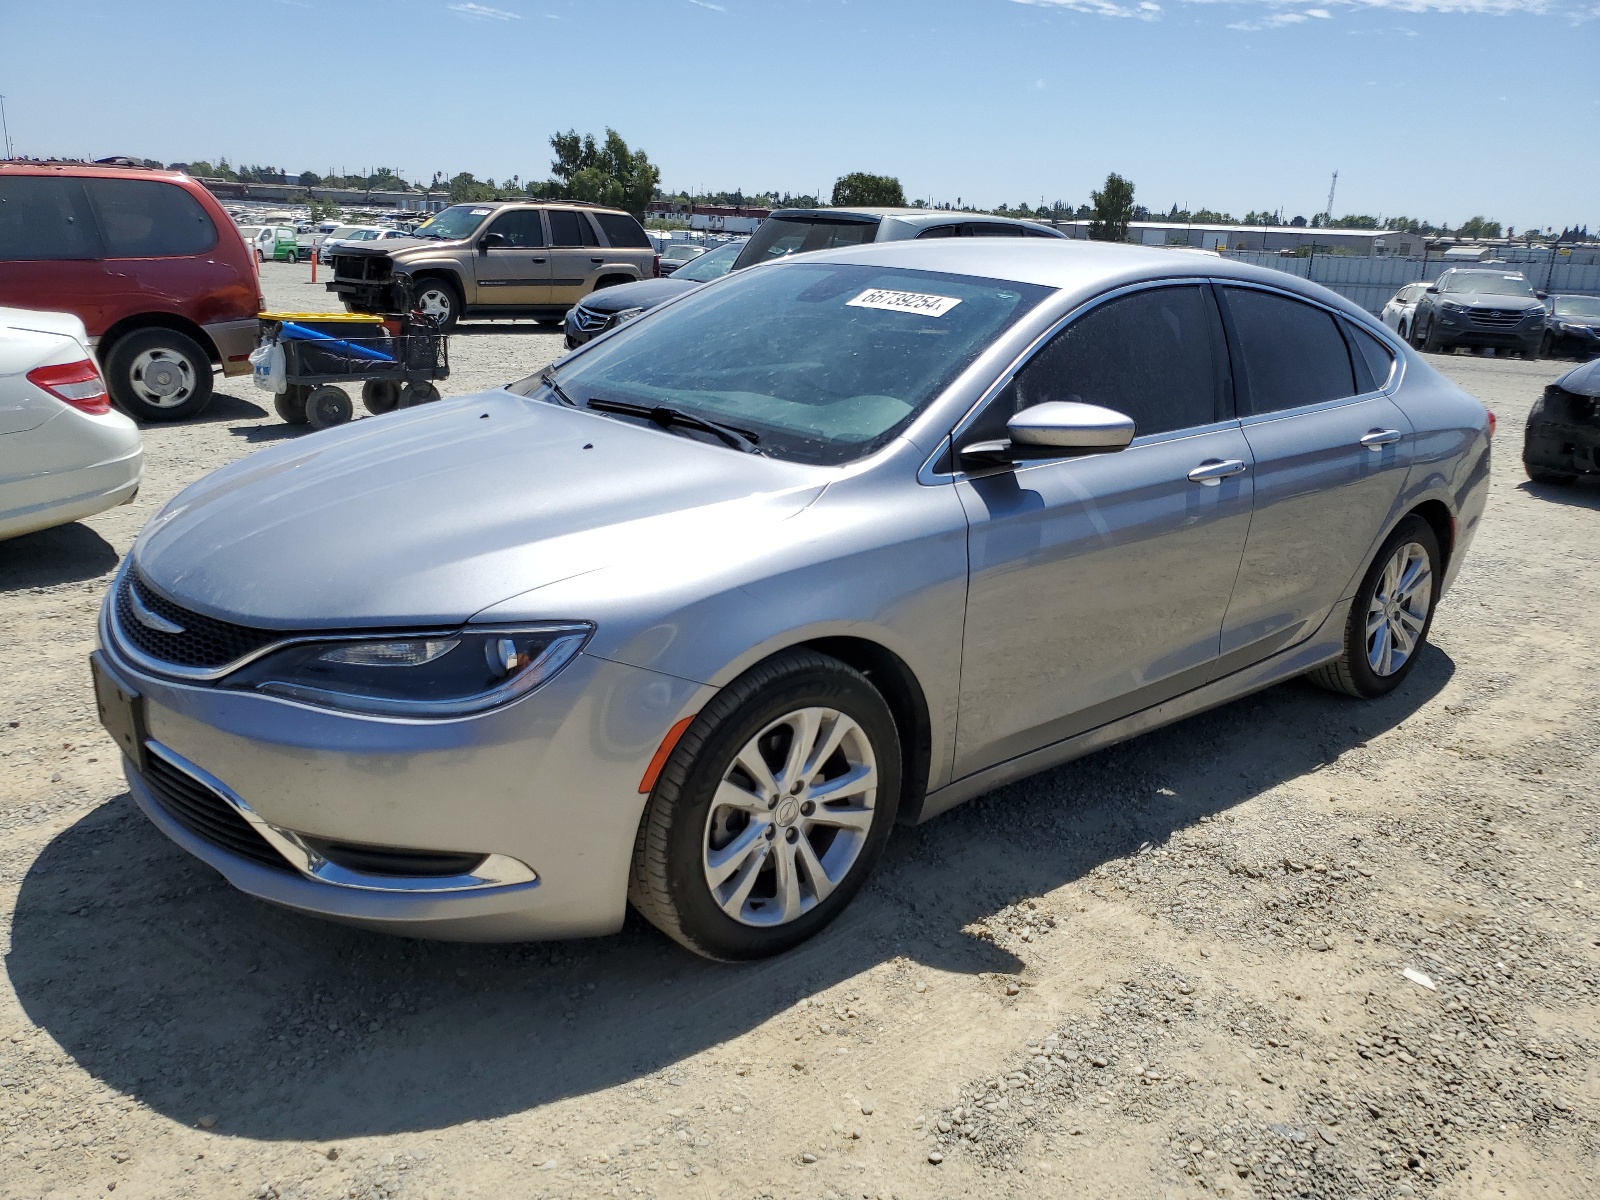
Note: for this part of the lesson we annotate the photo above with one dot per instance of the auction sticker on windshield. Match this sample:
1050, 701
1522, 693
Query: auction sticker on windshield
906, 302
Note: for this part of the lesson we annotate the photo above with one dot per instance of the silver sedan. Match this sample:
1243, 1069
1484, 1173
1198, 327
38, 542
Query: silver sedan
692, 618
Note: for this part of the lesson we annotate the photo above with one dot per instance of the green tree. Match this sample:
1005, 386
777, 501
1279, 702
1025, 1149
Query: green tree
859, 188
465, 188
1354, 221
1479, 227
1113, 209
603, 172
310, 179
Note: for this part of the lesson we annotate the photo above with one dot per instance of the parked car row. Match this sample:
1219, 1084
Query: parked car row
1485, 308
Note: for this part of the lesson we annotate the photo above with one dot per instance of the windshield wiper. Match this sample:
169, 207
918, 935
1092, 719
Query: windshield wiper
548, 378
667, 418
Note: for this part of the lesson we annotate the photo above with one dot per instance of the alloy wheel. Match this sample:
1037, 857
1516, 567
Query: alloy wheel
790, 817
435, 303
1398, 611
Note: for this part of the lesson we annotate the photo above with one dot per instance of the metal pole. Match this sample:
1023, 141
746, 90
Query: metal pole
6, 126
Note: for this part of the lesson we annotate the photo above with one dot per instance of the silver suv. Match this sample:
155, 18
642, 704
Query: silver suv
499, 259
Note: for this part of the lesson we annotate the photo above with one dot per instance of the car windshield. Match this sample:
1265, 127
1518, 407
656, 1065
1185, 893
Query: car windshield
1566, 306
823, 362
1494, 283
457, 221
681, 250
779, 237
713, 264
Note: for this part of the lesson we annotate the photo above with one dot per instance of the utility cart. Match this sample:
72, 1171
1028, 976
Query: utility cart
304, 358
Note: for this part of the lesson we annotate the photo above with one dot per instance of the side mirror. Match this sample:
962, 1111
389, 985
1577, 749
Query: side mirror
491, 239
1056, 429
1432, 291
1542, 295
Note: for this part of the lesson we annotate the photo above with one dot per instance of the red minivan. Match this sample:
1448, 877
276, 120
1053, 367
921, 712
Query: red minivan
151, 264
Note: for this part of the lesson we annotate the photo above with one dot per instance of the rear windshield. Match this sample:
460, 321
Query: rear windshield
779, 237
44, 218
622, 230
823, 362
1493, 283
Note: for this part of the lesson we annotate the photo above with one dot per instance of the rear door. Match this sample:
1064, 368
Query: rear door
575, 256
517, 270
1331, 455
50, 252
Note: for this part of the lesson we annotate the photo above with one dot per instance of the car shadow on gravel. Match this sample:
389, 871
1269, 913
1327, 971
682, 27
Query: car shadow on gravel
1583, 492
65, 554
163, 982
224, 407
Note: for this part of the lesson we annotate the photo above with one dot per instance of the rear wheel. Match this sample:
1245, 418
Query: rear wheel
291, 403
1390, 616
328, 406
380, 396
159, 375
770, 811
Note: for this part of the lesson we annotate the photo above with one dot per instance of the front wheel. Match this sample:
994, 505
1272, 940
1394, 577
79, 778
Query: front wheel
1390, 615
158, 374
438, 301
770, 811
380, 396
1431, 341
328, 406
417, 393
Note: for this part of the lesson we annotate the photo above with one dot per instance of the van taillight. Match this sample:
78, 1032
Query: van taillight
78, 384
655, 267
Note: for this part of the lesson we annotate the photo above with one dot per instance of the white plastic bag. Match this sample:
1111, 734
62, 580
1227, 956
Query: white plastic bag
267, 365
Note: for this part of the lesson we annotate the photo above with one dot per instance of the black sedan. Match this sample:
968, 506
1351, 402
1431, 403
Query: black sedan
1573, 326
610, 307
1563, 435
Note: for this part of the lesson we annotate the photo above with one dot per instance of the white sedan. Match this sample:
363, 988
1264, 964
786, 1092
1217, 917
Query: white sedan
1402, 307
63, 453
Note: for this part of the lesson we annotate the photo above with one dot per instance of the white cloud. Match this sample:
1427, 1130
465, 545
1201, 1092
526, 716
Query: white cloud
707, 4
482, 12
1101, 8
1321, 14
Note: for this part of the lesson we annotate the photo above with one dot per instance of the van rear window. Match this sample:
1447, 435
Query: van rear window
43, 218
144, 218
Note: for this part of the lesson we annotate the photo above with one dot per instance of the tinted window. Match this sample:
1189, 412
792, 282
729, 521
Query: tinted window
1150, 355
622, 230
1293, 353
143, 218
1373, 355
993, 229
568, 228
940, 231
42, 218
523, 227
778, 237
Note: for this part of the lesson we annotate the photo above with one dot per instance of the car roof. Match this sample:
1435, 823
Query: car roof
1068, 264
605, 208
97, 172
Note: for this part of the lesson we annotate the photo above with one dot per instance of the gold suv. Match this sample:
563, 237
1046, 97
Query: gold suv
498, 259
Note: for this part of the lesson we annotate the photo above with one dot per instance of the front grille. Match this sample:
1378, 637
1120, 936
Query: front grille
1496, 318
205, 643
589, 321
362, 267
205, 814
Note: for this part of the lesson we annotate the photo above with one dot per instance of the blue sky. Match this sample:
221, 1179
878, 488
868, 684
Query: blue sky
1437, 109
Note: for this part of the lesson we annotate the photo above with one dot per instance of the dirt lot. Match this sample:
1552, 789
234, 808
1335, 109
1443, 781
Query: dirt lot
1170, 969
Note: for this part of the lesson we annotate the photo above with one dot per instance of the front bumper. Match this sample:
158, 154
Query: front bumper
550, 781
1572, 449
1459, 330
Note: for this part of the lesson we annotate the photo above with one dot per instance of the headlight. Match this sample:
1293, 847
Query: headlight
625, 315
1449, 306
423, 675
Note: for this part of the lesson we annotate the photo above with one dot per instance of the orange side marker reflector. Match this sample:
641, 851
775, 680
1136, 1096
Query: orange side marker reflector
663, 752
1493, 421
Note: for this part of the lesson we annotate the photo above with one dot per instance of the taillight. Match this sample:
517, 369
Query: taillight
655, 267
1493, 421
78, 384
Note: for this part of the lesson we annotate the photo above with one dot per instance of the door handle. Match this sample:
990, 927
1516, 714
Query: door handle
536, 260
1213, 471
597, 260
1377, 439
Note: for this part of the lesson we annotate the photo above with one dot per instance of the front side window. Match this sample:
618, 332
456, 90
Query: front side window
520, 227
145, 218
43, 218
823, 362
1293, 353
779, 237
1151, 355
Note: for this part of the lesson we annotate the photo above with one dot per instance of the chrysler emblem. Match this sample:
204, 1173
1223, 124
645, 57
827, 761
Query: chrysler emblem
149, 619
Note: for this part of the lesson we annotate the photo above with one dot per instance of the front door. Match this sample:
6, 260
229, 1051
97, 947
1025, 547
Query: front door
575, 256
1097, 585
1331, 452
515, 268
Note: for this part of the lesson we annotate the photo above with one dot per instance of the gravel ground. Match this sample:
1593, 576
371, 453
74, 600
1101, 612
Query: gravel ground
1298, 946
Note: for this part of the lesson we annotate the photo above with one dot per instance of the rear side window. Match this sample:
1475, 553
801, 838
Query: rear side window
993, 229
1293, 353
520, 227
1150, 355
45, 218
1374, 360
568, 228
144, 218
940, 231
622, 230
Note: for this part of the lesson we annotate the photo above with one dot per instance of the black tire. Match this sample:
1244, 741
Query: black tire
291, 403
417, 393
1546, 475
439, 299
668, 883
1351, 673
380, 396
1414, 338
1547, 346
131, 381
328, 406
1431, 342
1404, 332
295, 257
1533, 351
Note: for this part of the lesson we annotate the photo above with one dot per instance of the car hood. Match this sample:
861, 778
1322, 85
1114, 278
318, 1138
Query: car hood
431, 515
1491, 300
1582, 381
646, 293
